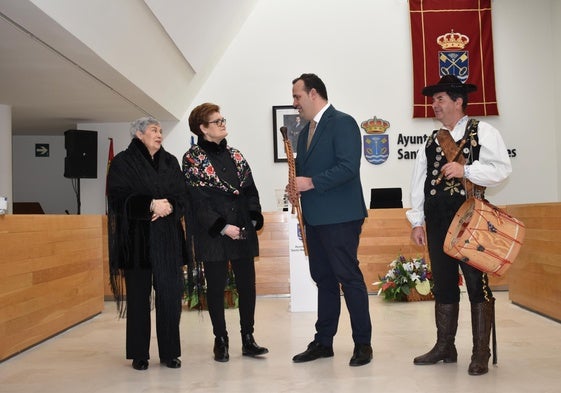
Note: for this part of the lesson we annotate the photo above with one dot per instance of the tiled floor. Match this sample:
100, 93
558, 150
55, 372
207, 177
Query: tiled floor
90, 357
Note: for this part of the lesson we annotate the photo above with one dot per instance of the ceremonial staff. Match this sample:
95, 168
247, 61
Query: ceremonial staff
291, 189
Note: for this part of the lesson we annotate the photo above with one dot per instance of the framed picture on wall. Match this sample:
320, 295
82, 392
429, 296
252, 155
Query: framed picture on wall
286, 116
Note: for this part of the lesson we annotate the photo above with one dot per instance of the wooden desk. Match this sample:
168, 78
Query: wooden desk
50, 276
535, 277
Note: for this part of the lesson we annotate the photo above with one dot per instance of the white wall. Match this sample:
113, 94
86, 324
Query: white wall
41, 179
362, 51
109, 26
6, 162
556, 37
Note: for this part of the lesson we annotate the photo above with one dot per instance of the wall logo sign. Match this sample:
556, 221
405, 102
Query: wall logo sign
453, 59
406, 152
376, 143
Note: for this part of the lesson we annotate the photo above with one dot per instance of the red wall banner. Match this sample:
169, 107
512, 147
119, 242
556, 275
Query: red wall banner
453, 37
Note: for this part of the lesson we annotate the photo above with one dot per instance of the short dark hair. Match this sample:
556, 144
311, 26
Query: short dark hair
455, 94
200, 115
312, 81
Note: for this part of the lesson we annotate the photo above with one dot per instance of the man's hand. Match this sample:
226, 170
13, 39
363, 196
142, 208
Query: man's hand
291, 195
304, 183
418, 236
452, 169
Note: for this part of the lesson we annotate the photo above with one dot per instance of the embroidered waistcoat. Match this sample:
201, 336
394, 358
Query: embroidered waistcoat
453, 188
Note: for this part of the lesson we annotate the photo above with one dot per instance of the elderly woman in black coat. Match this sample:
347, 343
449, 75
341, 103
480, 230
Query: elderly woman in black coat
147, 202
227, 214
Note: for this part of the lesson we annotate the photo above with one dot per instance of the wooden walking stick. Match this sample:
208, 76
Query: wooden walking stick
291, 189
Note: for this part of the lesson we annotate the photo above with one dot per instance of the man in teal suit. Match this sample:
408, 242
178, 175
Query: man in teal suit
328, 181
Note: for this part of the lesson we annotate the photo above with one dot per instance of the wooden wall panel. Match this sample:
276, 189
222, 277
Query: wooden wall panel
535, 276
272, 267
51, 276
385, 236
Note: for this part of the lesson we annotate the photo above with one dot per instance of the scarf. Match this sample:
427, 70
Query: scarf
134, 179
199, 172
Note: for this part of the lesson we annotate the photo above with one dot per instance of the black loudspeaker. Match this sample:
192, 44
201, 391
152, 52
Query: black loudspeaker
385, 198
81, 154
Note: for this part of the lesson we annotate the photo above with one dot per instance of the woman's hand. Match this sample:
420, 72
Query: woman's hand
160, 208
233, 232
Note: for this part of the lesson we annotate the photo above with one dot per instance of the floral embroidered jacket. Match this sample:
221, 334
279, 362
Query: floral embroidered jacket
223, 192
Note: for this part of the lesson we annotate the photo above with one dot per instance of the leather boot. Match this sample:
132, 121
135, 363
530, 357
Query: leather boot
482, 319
446, 316
221, 349
250, 347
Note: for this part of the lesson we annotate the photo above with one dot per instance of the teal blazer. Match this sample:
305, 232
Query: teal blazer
333, 163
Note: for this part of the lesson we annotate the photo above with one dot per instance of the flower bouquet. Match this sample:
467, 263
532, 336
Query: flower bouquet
407, 280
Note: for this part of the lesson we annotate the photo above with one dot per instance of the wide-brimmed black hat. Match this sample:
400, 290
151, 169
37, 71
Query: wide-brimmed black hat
449, 83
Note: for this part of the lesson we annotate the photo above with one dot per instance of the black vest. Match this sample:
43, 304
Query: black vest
448, 195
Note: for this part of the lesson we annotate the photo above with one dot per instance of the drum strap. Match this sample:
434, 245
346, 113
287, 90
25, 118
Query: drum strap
453, 152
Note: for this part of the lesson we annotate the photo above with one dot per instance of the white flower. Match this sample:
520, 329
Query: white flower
408, 266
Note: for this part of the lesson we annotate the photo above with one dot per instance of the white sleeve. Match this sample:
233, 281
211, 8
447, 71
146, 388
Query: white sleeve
493, 165
416, 215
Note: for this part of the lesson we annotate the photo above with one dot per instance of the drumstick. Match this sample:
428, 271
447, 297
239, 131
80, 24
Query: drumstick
441, 175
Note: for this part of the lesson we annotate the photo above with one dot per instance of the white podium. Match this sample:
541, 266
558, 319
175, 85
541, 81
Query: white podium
303, 290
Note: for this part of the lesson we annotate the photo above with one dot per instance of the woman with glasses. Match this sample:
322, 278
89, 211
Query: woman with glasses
227, 214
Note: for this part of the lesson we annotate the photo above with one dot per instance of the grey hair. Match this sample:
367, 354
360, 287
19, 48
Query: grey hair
142, 124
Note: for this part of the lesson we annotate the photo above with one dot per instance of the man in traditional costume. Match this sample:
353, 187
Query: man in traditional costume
439, 186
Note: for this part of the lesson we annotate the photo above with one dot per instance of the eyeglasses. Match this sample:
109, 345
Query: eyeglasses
218, 122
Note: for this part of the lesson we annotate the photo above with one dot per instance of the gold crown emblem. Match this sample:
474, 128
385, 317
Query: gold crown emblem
375, 125
452, 40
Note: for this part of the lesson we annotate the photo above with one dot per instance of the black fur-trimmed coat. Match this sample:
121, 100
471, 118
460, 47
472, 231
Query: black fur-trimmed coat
136, 242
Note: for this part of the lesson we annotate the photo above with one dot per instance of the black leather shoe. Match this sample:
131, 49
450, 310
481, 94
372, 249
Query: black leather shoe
314, 351
362, 355
172, 363
221, 349
140, 364
250, 347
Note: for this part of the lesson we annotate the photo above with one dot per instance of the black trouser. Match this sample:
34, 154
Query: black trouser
168, 293
334, 266
439, 215
216, 274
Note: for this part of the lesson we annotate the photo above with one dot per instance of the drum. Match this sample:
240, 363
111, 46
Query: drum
484, 236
